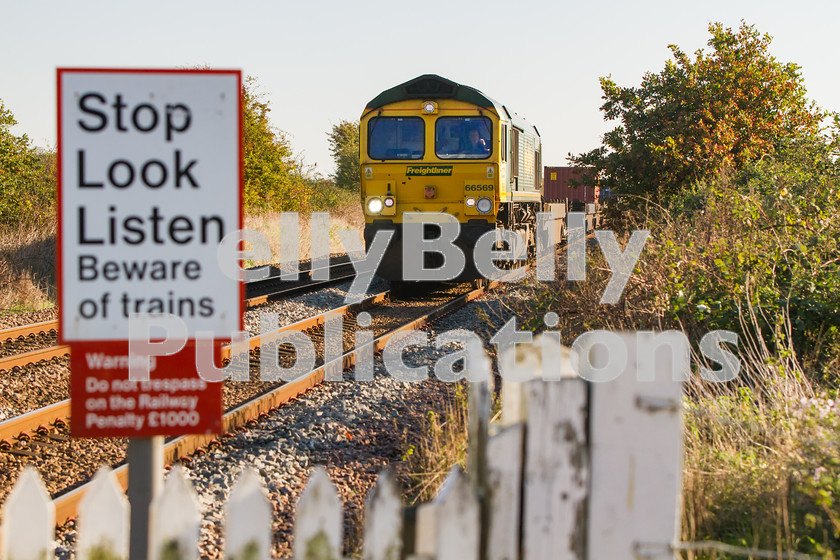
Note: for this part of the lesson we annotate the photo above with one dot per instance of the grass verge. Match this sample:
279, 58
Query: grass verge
441, 443
27, 267
345, 217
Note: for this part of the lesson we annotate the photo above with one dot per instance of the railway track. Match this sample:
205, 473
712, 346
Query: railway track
27, 424
39, 424
27, 330
258, 292
272, 288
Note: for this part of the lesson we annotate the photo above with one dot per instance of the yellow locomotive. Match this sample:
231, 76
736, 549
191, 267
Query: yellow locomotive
433, 146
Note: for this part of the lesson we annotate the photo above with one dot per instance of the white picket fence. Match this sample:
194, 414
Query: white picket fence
577, 470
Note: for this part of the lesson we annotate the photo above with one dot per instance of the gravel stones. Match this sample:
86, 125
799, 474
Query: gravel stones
20, 319
25, 389
306, 305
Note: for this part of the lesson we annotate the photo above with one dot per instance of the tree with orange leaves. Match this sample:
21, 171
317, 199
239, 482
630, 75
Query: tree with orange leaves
698, 118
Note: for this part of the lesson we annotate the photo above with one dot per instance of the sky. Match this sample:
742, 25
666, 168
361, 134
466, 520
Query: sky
318, 63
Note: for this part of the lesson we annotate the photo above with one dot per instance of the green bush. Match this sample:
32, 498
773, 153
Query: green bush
767, 239
27, 177
274, 178
344, 146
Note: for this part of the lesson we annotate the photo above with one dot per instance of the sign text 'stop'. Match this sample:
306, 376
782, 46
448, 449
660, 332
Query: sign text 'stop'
102, 113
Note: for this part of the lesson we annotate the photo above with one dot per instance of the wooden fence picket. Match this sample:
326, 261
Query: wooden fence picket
248, 519
556, 470
28, 520
636, 451
425, 530
457, 512
103, 519
175, 519
504, 481
318, 522
383, 520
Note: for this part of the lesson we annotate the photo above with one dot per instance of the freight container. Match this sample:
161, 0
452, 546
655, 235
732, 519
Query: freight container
569, 184
570, 189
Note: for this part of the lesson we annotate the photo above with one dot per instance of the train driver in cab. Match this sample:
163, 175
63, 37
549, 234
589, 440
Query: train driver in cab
476, 145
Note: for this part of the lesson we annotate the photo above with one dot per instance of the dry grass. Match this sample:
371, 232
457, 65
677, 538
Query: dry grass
441, 444
754, 453
27, 268
348, 217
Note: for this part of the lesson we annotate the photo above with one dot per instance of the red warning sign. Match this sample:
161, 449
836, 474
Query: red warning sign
104, 402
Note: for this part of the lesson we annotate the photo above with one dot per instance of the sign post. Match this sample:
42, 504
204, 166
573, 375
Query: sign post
149, 185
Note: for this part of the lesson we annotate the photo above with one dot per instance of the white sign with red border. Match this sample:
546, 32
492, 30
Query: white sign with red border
149, 184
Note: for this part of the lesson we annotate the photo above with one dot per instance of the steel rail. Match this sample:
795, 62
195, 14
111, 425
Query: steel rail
33, 356
31, 421
26, 330
300, 288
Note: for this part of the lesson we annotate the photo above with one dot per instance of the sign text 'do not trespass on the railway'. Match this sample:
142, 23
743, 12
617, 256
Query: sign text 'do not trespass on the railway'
149, 185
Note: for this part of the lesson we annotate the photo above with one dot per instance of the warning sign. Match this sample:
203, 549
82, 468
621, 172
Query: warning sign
174, 400
149, 186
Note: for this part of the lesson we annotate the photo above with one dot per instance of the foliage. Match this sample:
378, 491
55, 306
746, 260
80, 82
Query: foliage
724, 158
269, 179
344, 146
753, 250
761, 461
27, 176
441, 445
274, 178
765, 239
697, 118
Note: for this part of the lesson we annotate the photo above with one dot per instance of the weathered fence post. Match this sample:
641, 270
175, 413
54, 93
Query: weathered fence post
556, 471
504, 482
248, 519
550, 483
636, 447
318, 522
103, 519
28, 520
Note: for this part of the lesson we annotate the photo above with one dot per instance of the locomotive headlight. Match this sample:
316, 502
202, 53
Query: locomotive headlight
374, 206
484, 205
389, 202
470, 202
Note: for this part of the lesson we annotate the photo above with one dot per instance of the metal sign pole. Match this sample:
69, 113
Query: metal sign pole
145, 481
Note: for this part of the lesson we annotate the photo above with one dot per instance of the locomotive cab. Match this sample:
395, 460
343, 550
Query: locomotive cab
431, 146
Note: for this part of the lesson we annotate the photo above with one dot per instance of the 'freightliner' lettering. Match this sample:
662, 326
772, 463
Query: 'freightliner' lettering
423, 170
